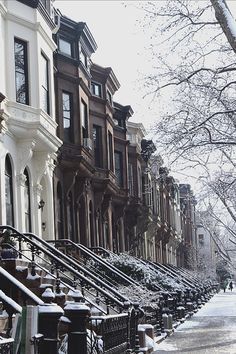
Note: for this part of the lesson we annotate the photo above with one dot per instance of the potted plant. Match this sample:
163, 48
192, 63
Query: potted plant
7, 245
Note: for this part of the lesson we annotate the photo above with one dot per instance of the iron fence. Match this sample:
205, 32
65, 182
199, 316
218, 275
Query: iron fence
6, 345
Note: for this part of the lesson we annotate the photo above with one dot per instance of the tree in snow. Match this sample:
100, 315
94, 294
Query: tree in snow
197, 125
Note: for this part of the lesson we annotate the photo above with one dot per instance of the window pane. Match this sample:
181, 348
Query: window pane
44, 72
8, 193
67, 115
21, 73
96, 89
84, 119
65, 47
44, 99
44, 85
83, 58
118, 168
109, 97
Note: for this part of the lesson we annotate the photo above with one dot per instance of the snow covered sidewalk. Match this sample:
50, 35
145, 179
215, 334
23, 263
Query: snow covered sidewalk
211, 330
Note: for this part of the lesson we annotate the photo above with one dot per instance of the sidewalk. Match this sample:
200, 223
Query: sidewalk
211, 330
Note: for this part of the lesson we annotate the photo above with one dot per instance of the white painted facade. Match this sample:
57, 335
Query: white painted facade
206, 254
27, 132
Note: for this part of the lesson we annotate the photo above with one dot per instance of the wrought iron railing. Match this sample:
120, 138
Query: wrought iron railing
111, 333
170, 273
6, 345
39, 250
108, 271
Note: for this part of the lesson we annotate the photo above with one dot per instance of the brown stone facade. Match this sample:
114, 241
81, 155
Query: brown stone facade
110, 188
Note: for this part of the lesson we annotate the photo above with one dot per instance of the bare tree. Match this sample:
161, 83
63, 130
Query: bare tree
197, 126
198, 72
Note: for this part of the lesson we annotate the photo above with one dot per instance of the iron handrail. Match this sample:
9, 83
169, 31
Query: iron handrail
61, 281
171, 273
68, 262
58, 259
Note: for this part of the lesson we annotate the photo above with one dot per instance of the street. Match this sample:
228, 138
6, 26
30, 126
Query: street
211, 330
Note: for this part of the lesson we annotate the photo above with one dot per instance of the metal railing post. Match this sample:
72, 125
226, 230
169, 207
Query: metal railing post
77, 313
49, 315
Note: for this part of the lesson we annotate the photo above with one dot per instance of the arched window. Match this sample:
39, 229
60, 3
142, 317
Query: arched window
60, 226
27, 202
9, 192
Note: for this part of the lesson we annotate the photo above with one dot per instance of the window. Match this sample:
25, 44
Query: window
97, 143
84, 119
27, 202
109, 97
83, 59
67, 115
96, 89
45, 85
119, 168
21, 71
110, 147
131, 179
9, 193
65, 47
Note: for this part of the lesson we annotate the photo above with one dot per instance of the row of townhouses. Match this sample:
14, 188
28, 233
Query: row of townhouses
95, 234
72, 164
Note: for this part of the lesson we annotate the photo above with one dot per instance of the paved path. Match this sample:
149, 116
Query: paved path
211, 330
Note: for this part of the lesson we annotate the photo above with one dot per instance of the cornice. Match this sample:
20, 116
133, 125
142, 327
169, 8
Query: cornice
33, 26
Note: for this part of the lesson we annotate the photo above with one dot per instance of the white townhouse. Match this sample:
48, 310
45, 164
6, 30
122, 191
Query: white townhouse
28, 141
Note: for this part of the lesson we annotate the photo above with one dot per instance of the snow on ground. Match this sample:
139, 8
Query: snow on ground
211, 330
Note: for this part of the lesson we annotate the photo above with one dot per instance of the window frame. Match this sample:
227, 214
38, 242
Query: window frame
25, 69
63, 52
84, 119
70, 119
83, 55
97, 145
109, 97
96, 84
9, 192
118, 157
47, 88
27, 194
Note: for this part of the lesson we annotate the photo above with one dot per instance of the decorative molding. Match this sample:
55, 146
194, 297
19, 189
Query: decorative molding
37, 27
20, 179
38, 189
25, 153
41, 161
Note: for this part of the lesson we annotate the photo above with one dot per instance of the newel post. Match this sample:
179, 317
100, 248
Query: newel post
77, 313
49, 315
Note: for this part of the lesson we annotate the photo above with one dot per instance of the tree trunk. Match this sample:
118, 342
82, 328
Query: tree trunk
226, 21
